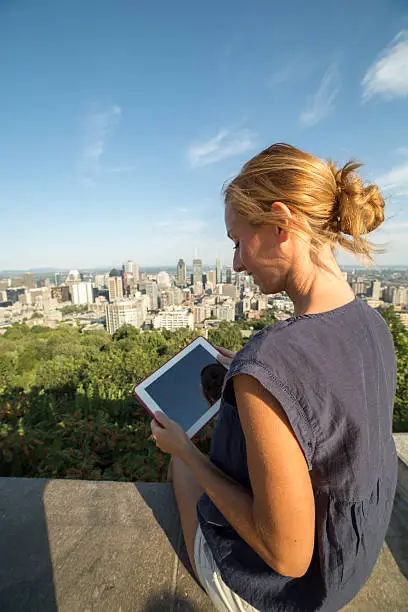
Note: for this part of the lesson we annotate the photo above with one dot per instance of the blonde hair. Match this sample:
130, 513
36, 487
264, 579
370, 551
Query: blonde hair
327, 202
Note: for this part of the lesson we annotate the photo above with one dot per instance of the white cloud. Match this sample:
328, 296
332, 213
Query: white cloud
225, 144
98, 128
395, 180
388, 76
321, 105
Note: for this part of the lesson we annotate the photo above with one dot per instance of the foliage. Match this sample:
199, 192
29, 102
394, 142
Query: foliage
66, 404
71, 309
400, 338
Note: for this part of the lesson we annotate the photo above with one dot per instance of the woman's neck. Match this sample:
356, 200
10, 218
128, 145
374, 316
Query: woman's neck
320, 287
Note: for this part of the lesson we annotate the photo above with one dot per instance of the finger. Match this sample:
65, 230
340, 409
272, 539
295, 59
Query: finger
223, 359
155, 429
221, 350
162, 419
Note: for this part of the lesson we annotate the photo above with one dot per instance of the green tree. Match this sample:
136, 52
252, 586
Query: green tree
227, 335
400, 338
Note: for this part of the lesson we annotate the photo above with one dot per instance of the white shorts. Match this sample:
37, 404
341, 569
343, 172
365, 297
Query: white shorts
222, 597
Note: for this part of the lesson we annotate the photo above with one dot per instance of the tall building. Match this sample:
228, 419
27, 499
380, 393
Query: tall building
376, 290
57, 278
181, 275
197, 271
152, 294
400, 296
81, 293
218, 268
29, 280
228, 275
100, 281
131, 267
212, 277
115, 287
359, 287
124, 312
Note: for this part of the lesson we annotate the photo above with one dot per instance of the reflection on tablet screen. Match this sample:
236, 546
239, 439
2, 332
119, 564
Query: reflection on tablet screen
178, 391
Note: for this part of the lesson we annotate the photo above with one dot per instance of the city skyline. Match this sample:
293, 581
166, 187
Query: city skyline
122, 123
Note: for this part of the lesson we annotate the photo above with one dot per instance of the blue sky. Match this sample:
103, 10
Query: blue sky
121, 120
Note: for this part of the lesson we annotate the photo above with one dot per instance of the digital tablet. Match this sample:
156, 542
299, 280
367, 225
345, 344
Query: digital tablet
187, 387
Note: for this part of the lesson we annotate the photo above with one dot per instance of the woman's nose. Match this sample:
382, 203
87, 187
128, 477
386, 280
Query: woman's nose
237, 264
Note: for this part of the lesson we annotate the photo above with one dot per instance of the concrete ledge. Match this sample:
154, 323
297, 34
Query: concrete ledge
79, 546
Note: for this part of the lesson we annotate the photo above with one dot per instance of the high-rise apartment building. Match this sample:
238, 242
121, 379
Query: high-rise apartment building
115, 287
359, 287
218, 269
181, 274
124, 312
131, 267
81, 293
376, 290
400, 296
228, 275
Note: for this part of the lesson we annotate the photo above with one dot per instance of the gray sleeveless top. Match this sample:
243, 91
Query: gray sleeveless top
334, 374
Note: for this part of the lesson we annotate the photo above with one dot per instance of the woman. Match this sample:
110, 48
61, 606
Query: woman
292, 508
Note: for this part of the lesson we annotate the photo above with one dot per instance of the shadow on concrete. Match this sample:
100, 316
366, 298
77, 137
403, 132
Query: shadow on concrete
166, 515
397, 535
26, 575
166, 602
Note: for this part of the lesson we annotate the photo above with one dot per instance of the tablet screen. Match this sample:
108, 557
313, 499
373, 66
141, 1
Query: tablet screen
178, 391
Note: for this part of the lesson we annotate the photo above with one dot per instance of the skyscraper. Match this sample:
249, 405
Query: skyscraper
211, 278
197, 271
152, 294
218, 269
131, 267
181, 273
29, 280
376, 290
228, 275
115, 287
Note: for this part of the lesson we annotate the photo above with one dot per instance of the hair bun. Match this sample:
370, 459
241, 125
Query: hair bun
359, 209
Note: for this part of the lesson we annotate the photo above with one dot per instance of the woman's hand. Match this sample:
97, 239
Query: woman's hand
169, 436
225, 355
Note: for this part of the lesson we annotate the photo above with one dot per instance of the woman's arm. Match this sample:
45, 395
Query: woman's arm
277, 518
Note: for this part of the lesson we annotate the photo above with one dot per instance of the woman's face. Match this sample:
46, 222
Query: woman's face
259, 250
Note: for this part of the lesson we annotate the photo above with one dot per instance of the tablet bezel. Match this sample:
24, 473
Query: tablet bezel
148, 402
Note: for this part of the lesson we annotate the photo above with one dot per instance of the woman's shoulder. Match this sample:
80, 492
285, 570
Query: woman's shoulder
273, 335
